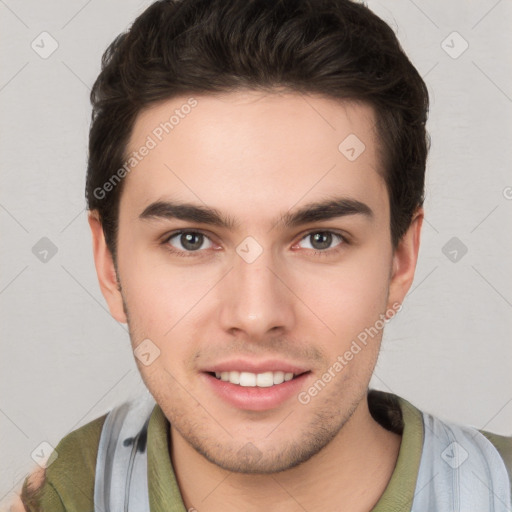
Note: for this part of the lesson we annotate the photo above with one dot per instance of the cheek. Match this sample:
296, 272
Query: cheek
351, 292
163, 303
158, 293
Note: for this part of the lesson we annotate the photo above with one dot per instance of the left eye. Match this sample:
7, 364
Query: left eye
322, 240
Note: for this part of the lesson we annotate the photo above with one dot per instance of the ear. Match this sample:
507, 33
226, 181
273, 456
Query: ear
405, 257
105, 269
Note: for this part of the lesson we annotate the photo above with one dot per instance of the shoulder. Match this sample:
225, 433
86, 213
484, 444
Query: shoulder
488, 455
458, 460
394, 412
503, 445
67, 484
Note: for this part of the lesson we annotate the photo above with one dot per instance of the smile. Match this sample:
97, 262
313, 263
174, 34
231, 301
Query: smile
260, 380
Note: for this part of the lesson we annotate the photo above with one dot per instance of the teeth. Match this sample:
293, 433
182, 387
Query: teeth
265, 380
260, 380
247, 379
279, 377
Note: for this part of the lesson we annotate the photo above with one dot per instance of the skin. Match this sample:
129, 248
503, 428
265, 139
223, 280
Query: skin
254, 156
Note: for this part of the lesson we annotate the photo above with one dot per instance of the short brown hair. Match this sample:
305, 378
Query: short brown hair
335, 48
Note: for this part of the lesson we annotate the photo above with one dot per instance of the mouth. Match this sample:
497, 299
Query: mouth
259, 380
262, 389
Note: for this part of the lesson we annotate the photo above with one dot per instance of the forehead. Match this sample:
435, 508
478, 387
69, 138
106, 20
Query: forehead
251, 151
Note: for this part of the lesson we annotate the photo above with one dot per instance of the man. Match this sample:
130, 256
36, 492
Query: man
255, 186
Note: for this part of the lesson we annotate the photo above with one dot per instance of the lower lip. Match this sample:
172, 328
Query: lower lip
253, 398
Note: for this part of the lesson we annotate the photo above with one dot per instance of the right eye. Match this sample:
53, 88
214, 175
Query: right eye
185, 243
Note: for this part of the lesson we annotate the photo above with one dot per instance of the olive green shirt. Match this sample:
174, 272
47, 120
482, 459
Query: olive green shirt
69, 483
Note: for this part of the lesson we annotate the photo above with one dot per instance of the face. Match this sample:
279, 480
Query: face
240, 289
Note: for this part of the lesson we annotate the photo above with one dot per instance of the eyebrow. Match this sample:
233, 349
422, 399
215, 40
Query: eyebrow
312, 212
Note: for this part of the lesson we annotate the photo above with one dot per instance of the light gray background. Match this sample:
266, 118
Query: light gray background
65, 361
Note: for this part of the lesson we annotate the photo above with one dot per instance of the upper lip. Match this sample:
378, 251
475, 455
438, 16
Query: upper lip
244, 365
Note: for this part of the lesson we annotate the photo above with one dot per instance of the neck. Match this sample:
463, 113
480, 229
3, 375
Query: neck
353, 469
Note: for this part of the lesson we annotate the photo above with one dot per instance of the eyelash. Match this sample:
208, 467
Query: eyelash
188, 254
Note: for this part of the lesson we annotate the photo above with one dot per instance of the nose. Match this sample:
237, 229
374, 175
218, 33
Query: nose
256, 298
